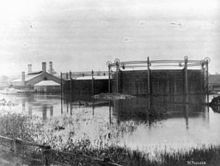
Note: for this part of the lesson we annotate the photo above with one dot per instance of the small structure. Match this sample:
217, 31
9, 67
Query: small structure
214, 83
47, 86
34, 80
85, 83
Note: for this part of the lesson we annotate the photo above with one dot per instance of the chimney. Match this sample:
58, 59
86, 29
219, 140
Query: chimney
23, 76
51, 67
29, 68
44, 67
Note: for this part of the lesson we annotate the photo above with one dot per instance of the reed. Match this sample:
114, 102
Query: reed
21, 126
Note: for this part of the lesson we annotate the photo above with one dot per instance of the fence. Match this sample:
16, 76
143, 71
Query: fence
36, 154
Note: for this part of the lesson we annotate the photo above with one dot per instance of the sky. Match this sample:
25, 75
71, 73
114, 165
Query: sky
81, 35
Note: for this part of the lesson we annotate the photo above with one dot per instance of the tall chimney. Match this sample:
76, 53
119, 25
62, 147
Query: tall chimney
51, 67
29, 68
23, 76
44, 67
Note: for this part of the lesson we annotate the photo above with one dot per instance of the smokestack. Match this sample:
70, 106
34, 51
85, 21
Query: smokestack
44, 67
51, 67
29, 68
23, 76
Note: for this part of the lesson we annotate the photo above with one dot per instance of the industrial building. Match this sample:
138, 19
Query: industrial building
42, 81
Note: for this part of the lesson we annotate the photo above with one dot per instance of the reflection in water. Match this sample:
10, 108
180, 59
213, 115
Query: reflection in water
155, 108
51, 111
44, 112
144, 123
30, 110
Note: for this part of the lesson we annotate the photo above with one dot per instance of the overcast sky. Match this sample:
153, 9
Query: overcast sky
81, 35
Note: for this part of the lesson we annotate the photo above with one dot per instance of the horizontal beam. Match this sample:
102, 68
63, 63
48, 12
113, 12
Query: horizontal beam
192, 62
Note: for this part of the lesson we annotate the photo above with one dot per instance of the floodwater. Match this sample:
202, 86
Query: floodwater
147, 124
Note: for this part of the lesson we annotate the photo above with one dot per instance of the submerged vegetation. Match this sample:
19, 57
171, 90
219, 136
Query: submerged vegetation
68, 135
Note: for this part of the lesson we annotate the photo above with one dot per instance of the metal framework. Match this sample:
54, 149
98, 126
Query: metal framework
147, 64
157, 63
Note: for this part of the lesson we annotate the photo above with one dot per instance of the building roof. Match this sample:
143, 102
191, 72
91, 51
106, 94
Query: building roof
47, 83
28, 77
34, 73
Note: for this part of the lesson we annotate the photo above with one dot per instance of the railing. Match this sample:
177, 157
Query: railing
149, 62
44, 155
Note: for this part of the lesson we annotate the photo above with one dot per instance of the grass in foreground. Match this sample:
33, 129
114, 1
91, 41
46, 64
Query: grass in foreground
19, 126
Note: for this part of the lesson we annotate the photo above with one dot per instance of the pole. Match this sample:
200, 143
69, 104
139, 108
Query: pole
92, 82
203, 78
70, 83
117, 77
109, 78
207, 79
110, 112
186, 78
148, 77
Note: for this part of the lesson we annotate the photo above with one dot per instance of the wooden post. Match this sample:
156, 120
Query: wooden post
92, 82
148, 77
186, 78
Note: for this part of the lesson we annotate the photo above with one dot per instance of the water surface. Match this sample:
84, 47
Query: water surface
147, 124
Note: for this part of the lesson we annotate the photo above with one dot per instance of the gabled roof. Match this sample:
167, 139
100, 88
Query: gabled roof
34, 73
36, 77
29, 77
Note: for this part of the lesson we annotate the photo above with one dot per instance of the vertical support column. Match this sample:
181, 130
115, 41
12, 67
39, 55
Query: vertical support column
61, 85
67, 76
149, 92
186, 78
207, 78
110, 112
117, 75
92, 82
109, 78
203, 78
61, 91
70, 83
